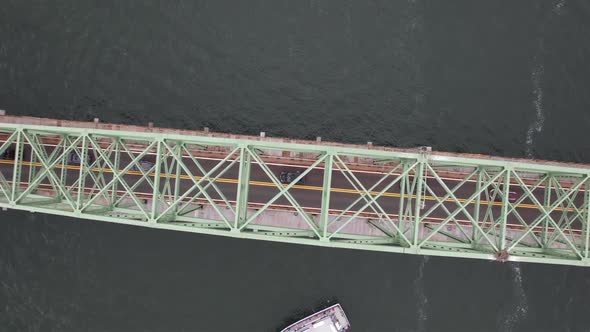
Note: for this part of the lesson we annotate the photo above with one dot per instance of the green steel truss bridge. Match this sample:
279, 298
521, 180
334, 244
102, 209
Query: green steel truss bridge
412, 201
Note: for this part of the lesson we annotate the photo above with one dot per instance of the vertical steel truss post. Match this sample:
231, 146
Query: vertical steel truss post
18, 154
178, 153
156, 196
504, 213
115, 169
64, 165
5, 186
586, 221
402, 193
547, 203
166, 175
82, 174
32, 166
243, 187
408, 206
419, 176
324, 214
475, 237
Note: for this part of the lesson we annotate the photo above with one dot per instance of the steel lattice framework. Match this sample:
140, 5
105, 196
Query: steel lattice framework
418, 202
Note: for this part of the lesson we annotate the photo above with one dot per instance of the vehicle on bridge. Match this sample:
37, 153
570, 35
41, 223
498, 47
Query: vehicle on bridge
75, 159
497, 195
144, 165
287, 177
8, 154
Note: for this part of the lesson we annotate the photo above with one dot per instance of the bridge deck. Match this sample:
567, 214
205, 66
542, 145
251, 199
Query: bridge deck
362, 197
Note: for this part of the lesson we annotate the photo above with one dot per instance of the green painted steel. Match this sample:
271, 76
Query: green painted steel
417, 202
327, 185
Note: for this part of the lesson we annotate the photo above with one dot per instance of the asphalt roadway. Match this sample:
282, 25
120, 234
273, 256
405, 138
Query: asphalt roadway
308, 195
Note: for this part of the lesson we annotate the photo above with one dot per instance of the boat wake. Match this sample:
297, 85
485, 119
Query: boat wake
520, 309
537, 125
422, 300
537, 73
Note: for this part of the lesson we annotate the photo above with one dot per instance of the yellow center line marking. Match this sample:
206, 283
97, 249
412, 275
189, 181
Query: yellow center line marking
270, 184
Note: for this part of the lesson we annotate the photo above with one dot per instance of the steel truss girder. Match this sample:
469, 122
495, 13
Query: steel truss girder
369, 202
178, 198
461, 207
283, 191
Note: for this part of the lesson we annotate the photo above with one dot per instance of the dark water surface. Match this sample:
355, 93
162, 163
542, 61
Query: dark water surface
500, 77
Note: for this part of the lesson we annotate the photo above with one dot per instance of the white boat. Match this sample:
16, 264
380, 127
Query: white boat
331, 319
